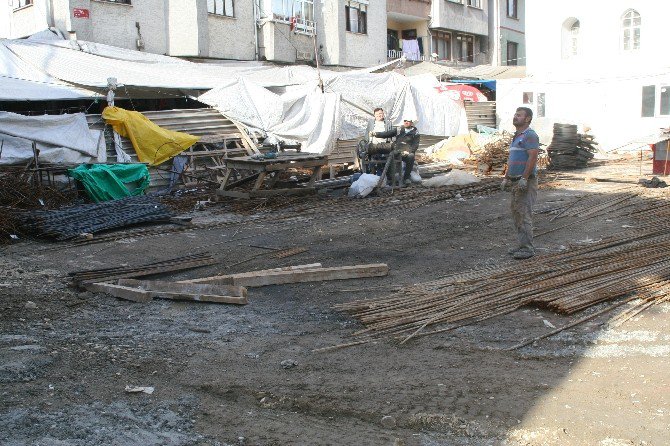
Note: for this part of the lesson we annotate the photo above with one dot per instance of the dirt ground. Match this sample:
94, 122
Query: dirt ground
66, 356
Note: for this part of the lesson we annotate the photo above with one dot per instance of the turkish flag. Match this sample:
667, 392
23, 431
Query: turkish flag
80, 13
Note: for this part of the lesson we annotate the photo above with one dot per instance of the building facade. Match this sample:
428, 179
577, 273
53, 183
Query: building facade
407, 29
346, 33
460, 31
600, 68
507, 32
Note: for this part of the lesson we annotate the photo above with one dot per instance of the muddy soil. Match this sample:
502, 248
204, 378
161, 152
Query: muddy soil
66, 356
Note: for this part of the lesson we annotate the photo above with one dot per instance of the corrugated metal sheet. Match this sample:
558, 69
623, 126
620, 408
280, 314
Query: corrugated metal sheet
480, 113
198, 121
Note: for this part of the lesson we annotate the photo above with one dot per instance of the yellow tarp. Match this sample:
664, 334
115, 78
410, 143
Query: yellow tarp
153, 144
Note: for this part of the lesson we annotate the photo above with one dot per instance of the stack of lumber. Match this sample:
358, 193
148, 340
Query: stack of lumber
631, 265
569, 149
146, 290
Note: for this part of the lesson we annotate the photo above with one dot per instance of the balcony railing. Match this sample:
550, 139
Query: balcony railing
300, 25
397, 54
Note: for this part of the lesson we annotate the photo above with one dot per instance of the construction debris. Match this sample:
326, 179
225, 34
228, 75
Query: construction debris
629, 264
493, 155
81, 278
569, 149
71, 222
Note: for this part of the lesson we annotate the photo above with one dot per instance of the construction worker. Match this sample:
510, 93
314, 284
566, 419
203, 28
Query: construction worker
521, 177
406, 144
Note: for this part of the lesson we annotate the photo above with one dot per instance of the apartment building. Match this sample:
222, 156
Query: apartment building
347, 33
507, 32
407, 30
460, 31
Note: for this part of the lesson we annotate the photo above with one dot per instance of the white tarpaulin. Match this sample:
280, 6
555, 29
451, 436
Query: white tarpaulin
21, 81
284, 103
302, 113
60, 139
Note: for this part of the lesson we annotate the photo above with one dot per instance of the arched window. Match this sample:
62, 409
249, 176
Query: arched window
570, 38
630, 26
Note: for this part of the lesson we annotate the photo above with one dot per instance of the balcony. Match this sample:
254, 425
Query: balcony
414, 9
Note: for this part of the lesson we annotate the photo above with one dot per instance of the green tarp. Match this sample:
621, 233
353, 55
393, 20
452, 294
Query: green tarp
104, 182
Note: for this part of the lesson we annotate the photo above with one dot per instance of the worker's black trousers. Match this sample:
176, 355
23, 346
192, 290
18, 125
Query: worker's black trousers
409, 164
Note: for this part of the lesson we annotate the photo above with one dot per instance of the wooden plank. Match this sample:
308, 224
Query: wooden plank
188, 288
194, 297
232, 193
227, 279
310, 275
274, 192
122, 292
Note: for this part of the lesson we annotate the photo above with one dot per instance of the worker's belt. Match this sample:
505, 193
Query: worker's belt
515, 178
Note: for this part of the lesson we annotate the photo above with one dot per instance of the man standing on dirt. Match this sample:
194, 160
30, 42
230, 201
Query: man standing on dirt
522, 177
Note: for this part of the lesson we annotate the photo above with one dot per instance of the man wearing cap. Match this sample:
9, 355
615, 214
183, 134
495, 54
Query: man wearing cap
521, 176
406, 144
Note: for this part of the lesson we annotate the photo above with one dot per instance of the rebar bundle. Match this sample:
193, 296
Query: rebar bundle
569, 149
629, 264
71, 222
125, 272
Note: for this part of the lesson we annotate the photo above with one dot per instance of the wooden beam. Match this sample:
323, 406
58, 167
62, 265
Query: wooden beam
122, 292
187, 288
253, 279
227, 279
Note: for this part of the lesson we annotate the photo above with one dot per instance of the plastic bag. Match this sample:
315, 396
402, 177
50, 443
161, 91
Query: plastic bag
363, 185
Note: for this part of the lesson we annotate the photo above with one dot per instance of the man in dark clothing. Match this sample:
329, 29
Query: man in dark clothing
406, 144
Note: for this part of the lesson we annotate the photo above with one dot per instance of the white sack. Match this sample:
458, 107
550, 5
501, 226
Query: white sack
455, 177
362, 187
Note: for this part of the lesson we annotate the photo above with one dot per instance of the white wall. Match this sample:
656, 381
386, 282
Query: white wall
610, 107
600, 35
24, 21
233, 37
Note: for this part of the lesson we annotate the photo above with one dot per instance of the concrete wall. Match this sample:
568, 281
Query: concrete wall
364, 50
280, 44
233, 37
600, 35
183, 33
114, 23
416, 8
459, 17
610, 107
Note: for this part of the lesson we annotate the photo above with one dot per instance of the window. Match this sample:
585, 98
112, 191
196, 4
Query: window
648, 101
123, 2
442, 45
512, 53
528, 98
392, 42
541, 112
630, 26
475, 3
356, 17
16, 4
570, 38
460, 2
221, 7
512, 9
298, 12
665, 101
465, 48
